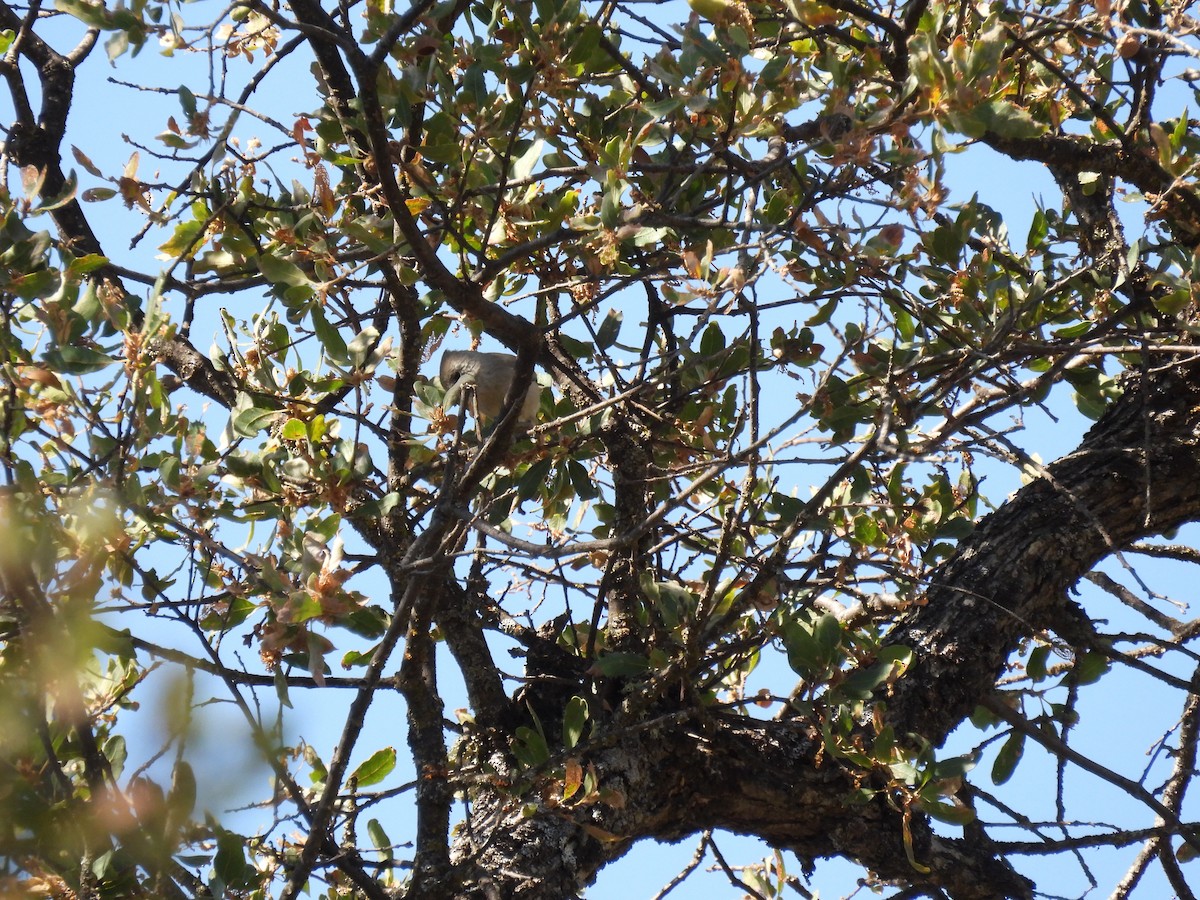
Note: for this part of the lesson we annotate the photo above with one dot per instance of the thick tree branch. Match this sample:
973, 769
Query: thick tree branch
1134, 475
1072, 153
678, 774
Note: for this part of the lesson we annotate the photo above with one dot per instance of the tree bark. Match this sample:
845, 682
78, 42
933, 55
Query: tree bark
1133, 476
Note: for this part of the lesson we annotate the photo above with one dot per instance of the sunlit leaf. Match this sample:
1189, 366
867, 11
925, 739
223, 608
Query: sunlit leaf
378, 766
249, 422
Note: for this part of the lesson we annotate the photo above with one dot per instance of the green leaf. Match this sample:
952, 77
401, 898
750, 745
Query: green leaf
377, 508
673, 602
379, 838
581, 481
294, 430
183, 243
610, 206
282, 271
905, 771
530, 747
88, 307
249, 422
1038, 229
1134, 254
956, 529
1008, 757
182, 797
176, 141
359, 349
621, 664
828, 634
64, 196
533, 480
330, 338
187, 101
31, 285
985, 53
1036, 667
661, 109
956, 814
352, 658
955, 766
78, 360
230, 862
235, 614
712, 341
96, 17
155, 319
649, 237
116, 45
523, 165
318, 428
606, 334
982, 717
318, 772
804, 653
1089, 668
575, 717
861, 683
1173, 302
375, 768
116, 753
997, 117
281, 688
304, 607
102, 866
714, 10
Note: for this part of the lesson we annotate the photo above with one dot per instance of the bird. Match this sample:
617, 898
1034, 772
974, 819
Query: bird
489, 376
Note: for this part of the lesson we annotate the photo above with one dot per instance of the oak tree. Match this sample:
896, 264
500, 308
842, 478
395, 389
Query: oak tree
745, 571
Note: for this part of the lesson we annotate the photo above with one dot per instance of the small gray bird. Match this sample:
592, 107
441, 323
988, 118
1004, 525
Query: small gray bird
489, 374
